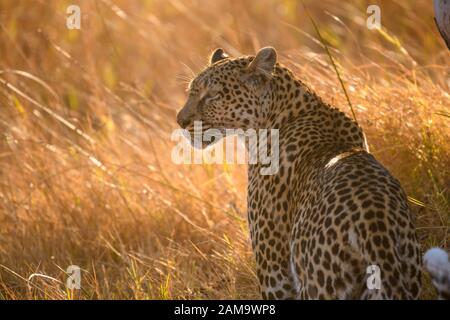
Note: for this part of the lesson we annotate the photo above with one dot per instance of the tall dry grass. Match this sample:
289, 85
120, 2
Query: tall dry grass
85, 123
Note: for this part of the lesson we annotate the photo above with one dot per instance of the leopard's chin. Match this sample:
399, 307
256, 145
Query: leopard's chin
201, 143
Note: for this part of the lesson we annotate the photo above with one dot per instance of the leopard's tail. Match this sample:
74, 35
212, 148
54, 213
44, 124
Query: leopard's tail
437, 263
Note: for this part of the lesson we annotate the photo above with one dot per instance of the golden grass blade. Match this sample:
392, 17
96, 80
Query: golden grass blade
332, 61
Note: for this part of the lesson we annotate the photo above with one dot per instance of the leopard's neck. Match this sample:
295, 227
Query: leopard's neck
291, 100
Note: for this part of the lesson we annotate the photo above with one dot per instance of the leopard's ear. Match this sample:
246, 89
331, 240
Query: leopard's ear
217, 55
264, 62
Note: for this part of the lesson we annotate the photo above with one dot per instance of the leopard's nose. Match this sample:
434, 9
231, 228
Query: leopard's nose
182, 120
187, 113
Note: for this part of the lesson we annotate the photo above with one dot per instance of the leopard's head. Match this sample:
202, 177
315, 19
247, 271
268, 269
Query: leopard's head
229, 93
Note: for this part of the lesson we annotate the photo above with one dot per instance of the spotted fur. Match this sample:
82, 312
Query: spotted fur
332, 210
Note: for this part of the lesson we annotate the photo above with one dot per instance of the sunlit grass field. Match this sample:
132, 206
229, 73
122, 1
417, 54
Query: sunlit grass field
86, 176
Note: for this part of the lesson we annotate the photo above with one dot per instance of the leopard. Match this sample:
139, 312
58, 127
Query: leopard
332, 222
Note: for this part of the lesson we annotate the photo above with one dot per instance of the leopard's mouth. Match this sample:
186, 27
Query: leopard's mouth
197, 139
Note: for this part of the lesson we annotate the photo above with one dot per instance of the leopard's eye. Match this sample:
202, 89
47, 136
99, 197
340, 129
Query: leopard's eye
212, 95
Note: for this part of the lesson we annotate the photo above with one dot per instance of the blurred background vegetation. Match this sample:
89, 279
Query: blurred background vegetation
86, 117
